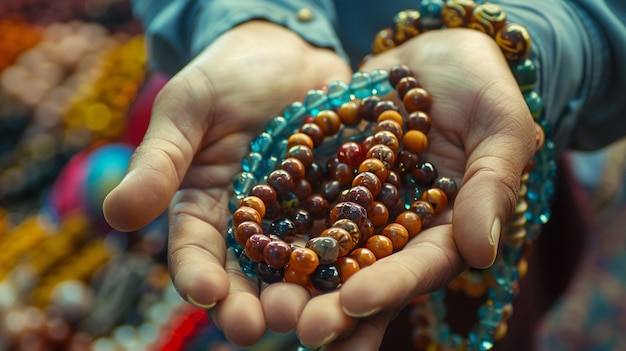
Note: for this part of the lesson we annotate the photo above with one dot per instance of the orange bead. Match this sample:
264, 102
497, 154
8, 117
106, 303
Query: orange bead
300, 139
343, 239
411, 221
349, 113
295, 277
375, 166
398, 234
383, 153
346, 266
390, 115
294, 167
351, 227
254, 202
415, 141
385, 127
363, 256
424, 210
417, 99
303, 260
380, 245
328, 121
378, 214
368, 180
245, 213
383, 41
437, 198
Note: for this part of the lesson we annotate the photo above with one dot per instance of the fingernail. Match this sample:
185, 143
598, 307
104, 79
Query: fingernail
361, 314
325, 341
494, 236
200, 305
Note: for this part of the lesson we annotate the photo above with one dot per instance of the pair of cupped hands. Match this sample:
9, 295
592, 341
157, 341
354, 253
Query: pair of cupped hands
204, 118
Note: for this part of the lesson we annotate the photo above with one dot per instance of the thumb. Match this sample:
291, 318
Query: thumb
160, 162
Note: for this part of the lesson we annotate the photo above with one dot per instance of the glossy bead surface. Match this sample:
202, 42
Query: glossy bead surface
331, 190
270, 274
424, 210
382, 106
514, 41
417, 99
245, 230
264, 192
255, 245
525, 74
398, 234
407, 160
437, 198
368, 180
303, 221
302, 189
303, 260
360, 85
284, 228
380, 82
302, 153
388, 133
411, 221
328, 121
360, 195
346, 266
363, 256
299, 139
378, 214
352, 229
419, 120
366, 108
375, 166
405, 84
383, 41
348, 113
343, 238
317, 206
316, 101
255, 202
351, 153
339, 171
448, 185
325, 278
488, 18
424, 174
389, 195
326, 248
294, 277
276, 254
281, 181
245, 213
397, 72
393, 115
406, 25
314, 132
415, 141
338, 93
380, 245
383, 153
457, 13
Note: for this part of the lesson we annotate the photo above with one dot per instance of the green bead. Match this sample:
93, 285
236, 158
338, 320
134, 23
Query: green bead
534, 102
525, 74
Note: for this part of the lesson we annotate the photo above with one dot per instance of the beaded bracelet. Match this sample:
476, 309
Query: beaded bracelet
500, 283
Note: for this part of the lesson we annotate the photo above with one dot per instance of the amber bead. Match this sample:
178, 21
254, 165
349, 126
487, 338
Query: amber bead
366, 108
300, 139
389, 195
255, 202
348, 210
488, 18
331, 190
448, 185
424, 210
326, 248
411, 221
328, 121
295, 277
325, 278
394, 178
397, 72
351, 153
346, 266
363, 256
255, 245
405, 84
514, 41
382, 106
265, 193
406, 25
424, 174
393, 115
245, 213
457, 13
383, 41
314, 132
391, 126
388, 133
276, 253
378, 214
303, 260
302, 153
360, 195
398, 234
380, 245
376, 166
415, 141
245, 230
341, 172
294, 167
269, 274
368, 180
383, 153
352, 229
281, 181
407, 161
349, 113
417, 99
437, 198
419, 120
343, 238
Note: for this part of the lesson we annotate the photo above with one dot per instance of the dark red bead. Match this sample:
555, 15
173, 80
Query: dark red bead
351, 153
281, 181
396, 73
424, 174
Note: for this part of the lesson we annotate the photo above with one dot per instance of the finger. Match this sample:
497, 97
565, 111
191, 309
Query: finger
161, 160
281, 314
426, 263
323, 321
367, 336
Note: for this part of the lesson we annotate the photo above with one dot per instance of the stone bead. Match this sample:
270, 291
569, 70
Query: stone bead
352, 229
343, 238
302, 189
437, 198
534, 103
457, 13
378, 214
346, 266
382, 106
300, 139
367, 230
389, 195
317, 206
448, 185
405, 84
269, 274
303, 260
314, 132
303, 221
244, 214
383, 41
331, 190
406, 25
424, 174
302, 153
326, 248
388, 133
376, 166
281, 181
276, 254
294, 277
488, 18
417, 99
415, 141
245, 230
284, 228
255, 202
328, 121
368, 180
363, 256
411, 221
366, 108
397, 72
380, 245
255, 245
325, 278
424, 210
525, 74
348, 210
360, 195
339, 171
315, 175
514, 41
294, 167
407, 161
392, 115
398, 234
348, 113
351, 153
419, 120
394, 178
383, 153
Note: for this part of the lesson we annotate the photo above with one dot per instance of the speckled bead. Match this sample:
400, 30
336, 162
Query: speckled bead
514, 41
488, 18
457, 13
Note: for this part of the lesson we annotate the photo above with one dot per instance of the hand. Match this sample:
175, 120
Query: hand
201, 126
482, 136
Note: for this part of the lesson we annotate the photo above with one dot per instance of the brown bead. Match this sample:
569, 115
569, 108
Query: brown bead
417, 99
255, 245
376, 166
244, 214
314, 132
457, 13
276, 254
407, 160
317, 206
346, 266
294, 167
393, 115
366, 108
344, 240
424, 210
367, 230
415, 141
348, 210
315, 175
331, 191
380, 245
394, 178
303, 260
254, 202
281, 181
437, 198
397, 72
383, 153
351, 153
302, 153
424, 174
340, 172
398, 234
406, 25
326, 248
302, 189
488, 18
245, 230
448, 185
383, 41
411, 221
514, 41
294, 277
300, 139
328, 121
265, 193
349, 113
389, 195
388, 133
352, 229
405, 84
363, 256
419, 120
382, 106
378, 214
360, 195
